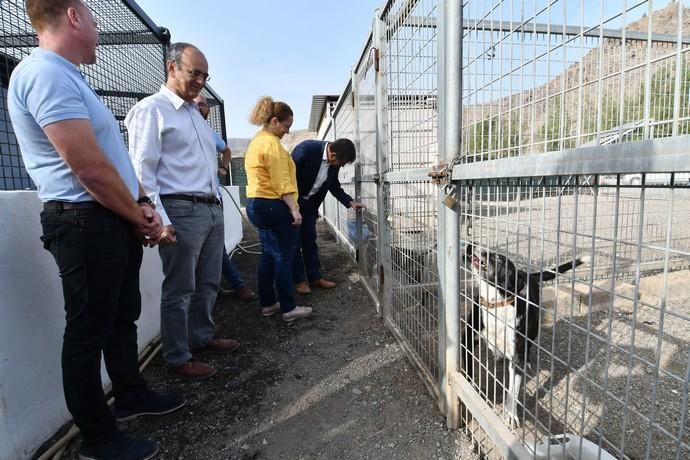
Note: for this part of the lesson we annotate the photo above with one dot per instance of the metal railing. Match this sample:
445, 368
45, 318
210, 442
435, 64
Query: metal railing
566, 127
130, 67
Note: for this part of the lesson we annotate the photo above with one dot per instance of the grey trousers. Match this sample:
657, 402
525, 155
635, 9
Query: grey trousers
192, 270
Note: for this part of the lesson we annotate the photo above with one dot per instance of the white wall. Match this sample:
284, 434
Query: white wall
232, 217
32, 406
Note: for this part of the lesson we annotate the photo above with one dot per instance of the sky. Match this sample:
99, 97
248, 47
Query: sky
287, 49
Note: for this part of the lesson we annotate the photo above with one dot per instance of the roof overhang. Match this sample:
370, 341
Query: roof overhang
318, 107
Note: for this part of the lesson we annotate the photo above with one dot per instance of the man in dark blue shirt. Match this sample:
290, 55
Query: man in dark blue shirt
317, 165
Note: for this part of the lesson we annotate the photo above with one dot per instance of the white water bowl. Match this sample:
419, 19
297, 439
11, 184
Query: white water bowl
569, 446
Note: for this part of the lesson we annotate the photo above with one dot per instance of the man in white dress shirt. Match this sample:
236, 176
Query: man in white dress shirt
174, 156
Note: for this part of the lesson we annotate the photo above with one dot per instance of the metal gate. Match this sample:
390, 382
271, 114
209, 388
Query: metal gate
563, 126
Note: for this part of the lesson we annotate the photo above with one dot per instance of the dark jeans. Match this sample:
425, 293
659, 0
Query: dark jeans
277, 236
306, 250
98, 258
230, 273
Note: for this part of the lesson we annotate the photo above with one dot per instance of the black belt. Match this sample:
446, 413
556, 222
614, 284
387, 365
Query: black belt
207, 199
66, 205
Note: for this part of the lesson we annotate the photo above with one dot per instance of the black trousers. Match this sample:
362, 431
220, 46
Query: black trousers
307, 251
99, 258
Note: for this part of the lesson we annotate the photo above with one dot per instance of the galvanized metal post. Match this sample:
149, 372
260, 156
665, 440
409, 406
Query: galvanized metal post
385, 268
360, 247
332, 112
450, 123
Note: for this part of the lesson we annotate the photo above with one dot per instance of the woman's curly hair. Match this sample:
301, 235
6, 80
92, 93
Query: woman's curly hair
266, 109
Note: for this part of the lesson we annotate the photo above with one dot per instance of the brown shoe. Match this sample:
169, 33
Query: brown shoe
219, 346
303, 288
322, 284
225, 292
193, 370
244, 294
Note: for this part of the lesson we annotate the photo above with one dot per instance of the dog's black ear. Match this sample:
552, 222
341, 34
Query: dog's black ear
521, 279
465, 255
469, 249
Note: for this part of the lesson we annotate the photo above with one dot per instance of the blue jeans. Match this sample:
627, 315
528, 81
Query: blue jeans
98, 258
306, 250
191, 267
230, 273
277, 236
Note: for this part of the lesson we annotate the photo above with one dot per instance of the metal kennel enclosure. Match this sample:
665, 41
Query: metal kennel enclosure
561, 129
130, 67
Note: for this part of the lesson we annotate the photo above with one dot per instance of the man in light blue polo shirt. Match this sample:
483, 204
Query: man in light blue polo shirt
73, 151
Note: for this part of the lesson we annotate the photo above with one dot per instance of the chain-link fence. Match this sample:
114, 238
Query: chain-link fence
548, 293
130, 67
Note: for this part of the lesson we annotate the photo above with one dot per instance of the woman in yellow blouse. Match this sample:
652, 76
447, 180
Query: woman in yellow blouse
272, 207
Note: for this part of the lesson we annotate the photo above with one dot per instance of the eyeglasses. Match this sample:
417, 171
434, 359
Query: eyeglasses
195, 74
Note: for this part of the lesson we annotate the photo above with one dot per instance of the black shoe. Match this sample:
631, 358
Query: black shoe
149, 403
119, 447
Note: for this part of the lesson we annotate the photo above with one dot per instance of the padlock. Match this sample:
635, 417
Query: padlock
449, 200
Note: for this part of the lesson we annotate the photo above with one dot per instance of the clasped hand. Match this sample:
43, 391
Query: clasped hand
150, 227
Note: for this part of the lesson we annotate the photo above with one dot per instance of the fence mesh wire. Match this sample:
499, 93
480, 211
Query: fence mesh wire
409, 68
608, 359
546, 76
342, 219
130, 66
365, 94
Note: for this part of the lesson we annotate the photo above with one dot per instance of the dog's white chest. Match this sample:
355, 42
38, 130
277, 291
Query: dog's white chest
487, 291
499, 330
499, 323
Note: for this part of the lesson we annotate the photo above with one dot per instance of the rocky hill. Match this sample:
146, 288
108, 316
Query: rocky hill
295, 137
550, 111
289, 141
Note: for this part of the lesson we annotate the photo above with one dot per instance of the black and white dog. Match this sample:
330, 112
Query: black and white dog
506, 312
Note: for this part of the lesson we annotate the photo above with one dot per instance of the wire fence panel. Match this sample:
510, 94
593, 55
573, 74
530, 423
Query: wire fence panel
341, 218
544, 76
130, 66
411, 61
414, 308
365, 84
599, 359
409, 68
18, 44
575, 256
609, 356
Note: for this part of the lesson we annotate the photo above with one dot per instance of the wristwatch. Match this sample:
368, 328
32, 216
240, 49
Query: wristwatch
146, 200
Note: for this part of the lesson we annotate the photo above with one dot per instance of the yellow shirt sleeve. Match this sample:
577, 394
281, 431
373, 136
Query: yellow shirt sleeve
270, 168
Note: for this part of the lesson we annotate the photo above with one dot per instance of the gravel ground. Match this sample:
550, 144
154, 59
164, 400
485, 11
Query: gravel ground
334, 386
